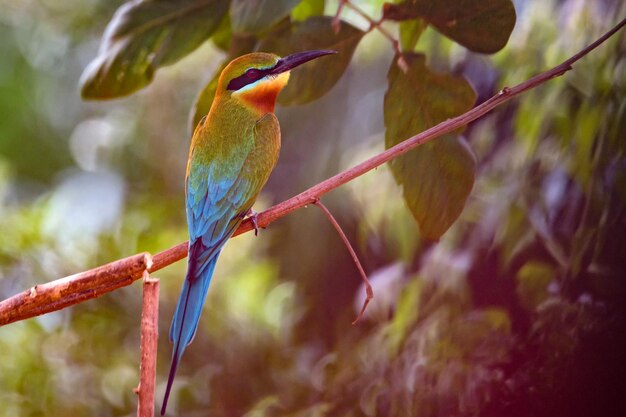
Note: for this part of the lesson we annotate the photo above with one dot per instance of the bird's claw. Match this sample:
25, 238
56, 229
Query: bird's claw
252, 215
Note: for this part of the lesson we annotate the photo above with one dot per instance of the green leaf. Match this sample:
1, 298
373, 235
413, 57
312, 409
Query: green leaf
306, 9
410, 32
438, 176
203, 102
254, 16
239, 45
406, 314
532, 283
481, 26
143, 36
223, 34
311, 81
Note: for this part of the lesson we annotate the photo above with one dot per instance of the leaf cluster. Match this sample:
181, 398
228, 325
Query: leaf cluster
437, 179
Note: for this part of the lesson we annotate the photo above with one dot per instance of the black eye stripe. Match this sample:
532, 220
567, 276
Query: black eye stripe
248, 77
252, 73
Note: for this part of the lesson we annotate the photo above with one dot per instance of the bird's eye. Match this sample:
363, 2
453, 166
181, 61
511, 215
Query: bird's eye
253, 73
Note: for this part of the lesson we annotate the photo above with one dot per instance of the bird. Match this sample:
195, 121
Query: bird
234, 148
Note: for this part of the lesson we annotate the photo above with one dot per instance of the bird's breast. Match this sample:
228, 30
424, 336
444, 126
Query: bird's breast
261, 96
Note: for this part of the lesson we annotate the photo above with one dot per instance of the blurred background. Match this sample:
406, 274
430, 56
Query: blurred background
518, 310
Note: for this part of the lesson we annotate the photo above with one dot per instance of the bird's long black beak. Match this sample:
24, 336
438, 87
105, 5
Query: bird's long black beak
291, 61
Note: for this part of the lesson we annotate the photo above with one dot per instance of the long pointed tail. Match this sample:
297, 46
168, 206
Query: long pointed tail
186, 317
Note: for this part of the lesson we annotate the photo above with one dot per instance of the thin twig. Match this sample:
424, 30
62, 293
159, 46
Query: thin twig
149, 339
375, 24
32, 302
368, 287
336, 23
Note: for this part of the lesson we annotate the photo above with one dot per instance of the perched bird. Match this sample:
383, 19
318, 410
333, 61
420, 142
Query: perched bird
233, 151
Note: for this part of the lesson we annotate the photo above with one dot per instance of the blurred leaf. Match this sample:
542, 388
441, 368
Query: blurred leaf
410, 32
30, 141
406, 314
617, 124
223, 34
480, 333
481, 26
438, 176
313, 80
239, 45
263, 407
203, 102
583, 140
584, 239
513, 233
400, 12
497, 318
532, 283
247, 293
143, 36
254, 16
306, 9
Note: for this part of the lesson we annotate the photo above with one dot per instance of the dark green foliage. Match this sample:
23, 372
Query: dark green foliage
254, 16
480, 26
203, 102
145, 35
437, 177
313, 80
306, 9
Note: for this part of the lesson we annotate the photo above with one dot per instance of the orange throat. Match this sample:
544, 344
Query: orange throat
262, 96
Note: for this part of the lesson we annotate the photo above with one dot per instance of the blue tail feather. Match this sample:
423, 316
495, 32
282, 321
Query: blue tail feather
187, 315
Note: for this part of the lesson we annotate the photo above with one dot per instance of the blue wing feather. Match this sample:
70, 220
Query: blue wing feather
214, 210
186, 318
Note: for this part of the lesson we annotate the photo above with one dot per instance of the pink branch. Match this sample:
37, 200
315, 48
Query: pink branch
149, 338
64, 292
369, 292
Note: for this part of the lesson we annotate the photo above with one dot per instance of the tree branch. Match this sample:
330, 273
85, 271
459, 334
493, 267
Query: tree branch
64, 292
149, 339
377, 24
61, 293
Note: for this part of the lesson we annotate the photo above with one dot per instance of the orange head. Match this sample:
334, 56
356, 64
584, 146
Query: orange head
256, 79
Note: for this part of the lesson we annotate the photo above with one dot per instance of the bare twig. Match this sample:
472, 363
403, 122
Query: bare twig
336, 23
30, 302
368, 287
149, 339
374, 24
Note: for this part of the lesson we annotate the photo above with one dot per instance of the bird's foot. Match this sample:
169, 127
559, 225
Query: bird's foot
252, 215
